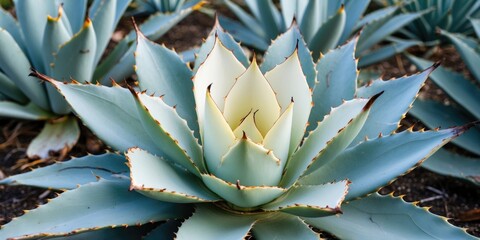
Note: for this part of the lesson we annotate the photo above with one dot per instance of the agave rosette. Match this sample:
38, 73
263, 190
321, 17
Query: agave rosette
64, 39
234, 153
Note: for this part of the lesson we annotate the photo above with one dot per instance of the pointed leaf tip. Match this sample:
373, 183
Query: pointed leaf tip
372, 100
461, 129
37, 74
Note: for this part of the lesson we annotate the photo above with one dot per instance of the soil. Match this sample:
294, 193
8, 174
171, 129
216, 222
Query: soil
447, 196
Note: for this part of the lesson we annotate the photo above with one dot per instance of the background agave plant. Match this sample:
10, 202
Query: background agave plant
254, 172
139, 7
55, 39
452, 16
466, 108
324, 25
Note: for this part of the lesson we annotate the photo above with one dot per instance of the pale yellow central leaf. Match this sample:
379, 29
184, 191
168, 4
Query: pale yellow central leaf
249, 128
252, 91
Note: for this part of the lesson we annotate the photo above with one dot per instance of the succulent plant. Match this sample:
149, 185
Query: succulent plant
56, 39
452, 16
252, 170
324, 25
465, 94
140, 7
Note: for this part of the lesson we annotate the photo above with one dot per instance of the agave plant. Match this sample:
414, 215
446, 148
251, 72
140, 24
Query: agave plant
466, 95
55, 38
140, 7
324, 25
450, 15
254, 173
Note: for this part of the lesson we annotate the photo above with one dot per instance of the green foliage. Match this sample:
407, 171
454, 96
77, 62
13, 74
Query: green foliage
324, 25
466, 94
450, 15
60, 39
141, 7
246, 168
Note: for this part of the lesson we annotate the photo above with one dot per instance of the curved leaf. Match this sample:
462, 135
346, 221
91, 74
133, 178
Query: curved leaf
435, 114
242, 196
110, 112
91, 206
161, 72
392, 106
70, 174
74, 60
452, 164
154, 177
283, 228
170, 132
9, 89
469, 55
318, 139
209, 222
17, 69
333, 28
311, 200
283, 47
387, 217
374, 163
249, 164
460, 89
336, 81
29, 111
103, 19
33, 18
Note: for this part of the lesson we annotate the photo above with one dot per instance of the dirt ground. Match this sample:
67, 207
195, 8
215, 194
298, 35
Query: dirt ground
447, 196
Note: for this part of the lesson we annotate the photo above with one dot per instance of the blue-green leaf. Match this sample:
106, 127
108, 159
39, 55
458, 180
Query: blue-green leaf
74, 60
455, 165
435, 114
354, 10
338, 119
469, 55
311, 200
387, 217
120, 65
392, 106
70, 174
283, 227
154, 177
243, 34
336, 81
165, 231
75, 11
92, 206
267, 15
29, 111
9, 89
384, 52
460, 89
374, 163
33, 18
161, 72
8, 22
227, 41
210, 222
378, 30
110, 112
17, 69
103, 19
242, 196
283, 47
333, 28
56, 135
